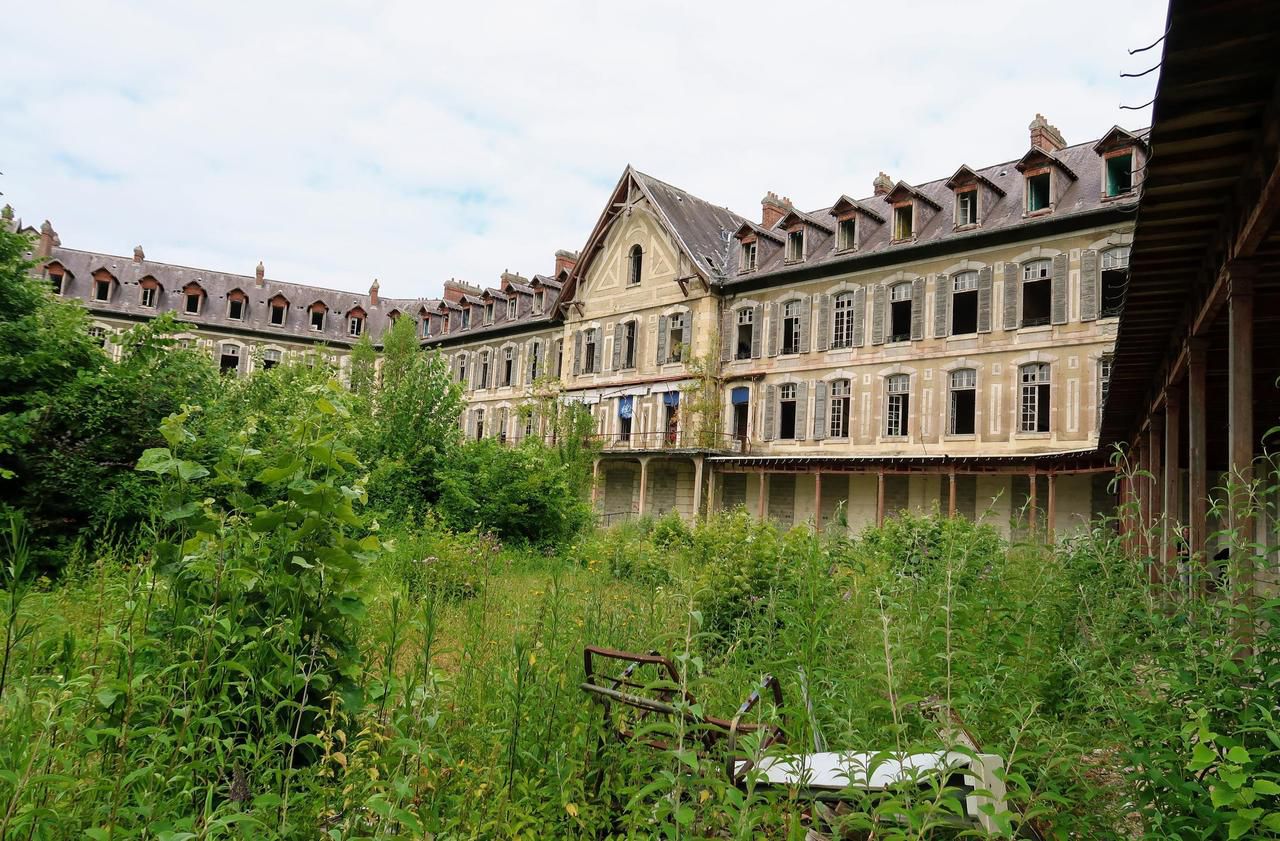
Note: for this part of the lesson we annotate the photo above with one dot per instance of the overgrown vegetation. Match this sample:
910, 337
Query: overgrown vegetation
328, 617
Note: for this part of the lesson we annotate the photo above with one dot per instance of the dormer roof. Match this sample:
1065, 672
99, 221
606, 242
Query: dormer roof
844, 205
1118, 138
1036, 157
964, 176
793, 216
902, 191
748, 228
494, 293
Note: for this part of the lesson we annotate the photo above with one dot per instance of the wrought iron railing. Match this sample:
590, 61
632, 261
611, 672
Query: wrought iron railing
672, 440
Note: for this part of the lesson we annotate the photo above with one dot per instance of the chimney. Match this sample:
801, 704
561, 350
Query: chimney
48, 236
773, 208
6, 218
565, 261
138, 255
373, 293
882, 185
259, 274
454, 289
1045, 136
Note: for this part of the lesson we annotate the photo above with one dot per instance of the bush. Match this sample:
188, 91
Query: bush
435, 562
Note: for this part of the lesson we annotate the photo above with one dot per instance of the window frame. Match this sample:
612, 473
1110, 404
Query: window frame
745, 318
508, 365
1031, 183
239, 316
896, 297
963, 283
795, 245
1035, 398
1107, 171
897, 416
904, 211
355, 325
847, 233
840, 397
512, 308
98, 285
283, 309
748, 256
962, 380
590, 352
790, 338
787, 394
966, 198
148, 292
842, 320
629, 332
635, 265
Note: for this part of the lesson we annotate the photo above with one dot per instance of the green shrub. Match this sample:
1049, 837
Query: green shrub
432, 561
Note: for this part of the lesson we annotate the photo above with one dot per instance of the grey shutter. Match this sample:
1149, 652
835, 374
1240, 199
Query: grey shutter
726, 338
1011, 296
515, 365
662, 339
822, 332
473, 369
1088, 285
531, 354
802, 403
577, 353
1058, 293
770, 411
941, 305
917, 309
471, 424
686, 336
984, 299
878, 303
773, 328
819, 410
757, 330
859, 315
806, 313
619, 334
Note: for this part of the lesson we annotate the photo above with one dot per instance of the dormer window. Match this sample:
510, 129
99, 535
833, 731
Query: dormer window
511, 308
1119, 174
58, 278
355, 322
749, 256
795, 246
488, 313
235, 305
1038, 191
967, 208
318, 311
538, 297
903, 221
279, 311
102, 288
846, 234
466, 317
148, 293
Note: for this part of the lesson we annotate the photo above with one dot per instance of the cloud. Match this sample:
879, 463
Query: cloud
414, 142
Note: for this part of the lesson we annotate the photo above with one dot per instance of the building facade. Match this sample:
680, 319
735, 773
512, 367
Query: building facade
938, 345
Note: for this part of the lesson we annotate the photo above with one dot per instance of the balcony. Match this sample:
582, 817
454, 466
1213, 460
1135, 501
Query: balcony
653, 441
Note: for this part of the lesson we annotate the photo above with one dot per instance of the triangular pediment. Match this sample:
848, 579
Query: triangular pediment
845, 205
902, 191
1118, 138
1037, 157
965, 177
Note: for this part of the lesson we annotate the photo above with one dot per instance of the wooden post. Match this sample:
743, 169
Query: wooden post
1142, 499
697, 487
880, 498
712, 503
817, 500
595, 484
644, 483
1172, 499
951, 493
764, 489
1032, 525
1051, 509
1155, 516
1197, 464
1240, 424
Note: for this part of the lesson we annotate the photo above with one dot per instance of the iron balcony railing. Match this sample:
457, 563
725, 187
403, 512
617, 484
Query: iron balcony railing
672, 440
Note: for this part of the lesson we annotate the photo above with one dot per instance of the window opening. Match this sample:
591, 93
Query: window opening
589, 352
900, 313
149, 296
101, 290
1034, 408
637, 265
317, 318
511, 308
842, 334
967, 208
1037, 292
1037, 192
846, 234
897, 387
235, 309
56, 279
508, 365
671, 409
270, 358
964, 303
746, 332
479, 424
466, 317
787, 411
462, 368
278, 312
964, 401
230, 358
483, 382
355, 325
1119, 174
1115, 278
791, 327
840, 393
629, 344
902, 222
795, 246
488, 313
675, 337
626, 409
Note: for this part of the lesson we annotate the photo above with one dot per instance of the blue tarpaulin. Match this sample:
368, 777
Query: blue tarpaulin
625, 407
671, 398
741, 394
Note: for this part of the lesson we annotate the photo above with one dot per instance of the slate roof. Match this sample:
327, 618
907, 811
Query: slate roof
705, 229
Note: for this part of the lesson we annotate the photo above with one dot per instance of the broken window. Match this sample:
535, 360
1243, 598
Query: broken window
589, 352
1104, 381
787, 411
270, 358
898, 405
964, 303
791, 327
1115, 277
1037, 192
488, 313
636, 269
229, 359
967, 208
964, 392
98, 333
483, 382
748, 256
1034, 407
795, 246
317, 317
479, 424
235, 307
903, 225
466, 317
101, 290
840, 392
535, 350
626, 409
628, 340
462, 368
279, 310
846, 234
512, 303
842, 333
1037, 292
56, 279
1119, 174
557, 350
508, 365
900, 312
675, 337
746, 332
149, 296
537, 300
355, 325
671, 408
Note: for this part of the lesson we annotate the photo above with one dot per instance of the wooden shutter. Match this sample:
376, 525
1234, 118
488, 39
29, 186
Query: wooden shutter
802, 403
806, 313
819, 410
984, 299
1088, 285
577, 353
822, 332
619, 330
878, 304
770, 411
859, 315
726, 336
1011, 290
531, 354
662, 339
941, 305
917, 309
1058, 290
757, 330
686, 336
772, 309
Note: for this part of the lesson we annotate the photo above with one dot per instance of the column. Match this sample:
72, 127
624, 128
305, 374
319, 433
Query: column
595, 484
1197, 464
1031, 503
951, 493
817, 500
1052, 509
1172, 499
697, 487
880, 498
1240, 425
1155, 515
712, 504
644, 484
1142, 499
764, 492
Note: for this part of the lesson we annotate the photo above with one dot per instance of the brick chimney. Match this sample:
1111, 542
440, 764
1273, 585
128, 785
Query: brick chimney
565, 261
259, 275
138, 254
773, 208
1045, 136
373, 293
882, 184
454, 289
48, 238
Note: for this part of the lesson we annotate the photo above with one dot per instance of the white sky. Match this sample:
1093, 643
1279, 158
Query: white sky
417, 141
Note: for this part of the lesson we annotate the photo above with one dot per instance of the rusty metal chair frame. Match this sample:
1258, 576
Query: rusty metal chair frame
626, 688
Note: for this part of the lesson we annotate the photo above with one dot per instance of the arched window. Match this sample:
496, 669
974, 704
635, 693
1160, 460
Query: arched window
318, 310
636, 270
842, 336
149, 291
192, 298
1033, 408
963, 401
279, 306
355, 321
237, 303
898, 405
